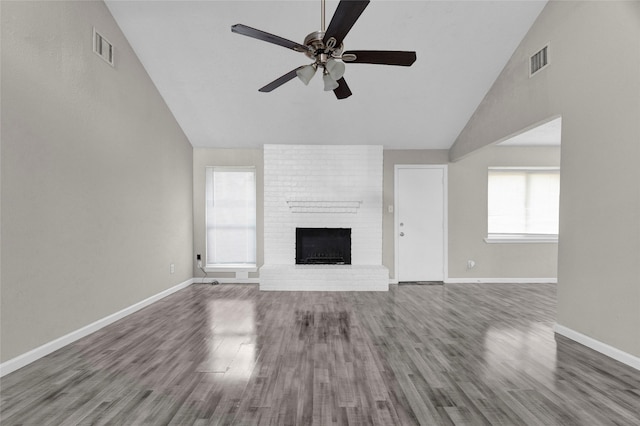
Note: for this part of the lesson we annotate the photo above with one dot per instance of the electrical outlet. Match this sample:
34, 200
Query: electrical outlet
471, 264
198, 257
172, 268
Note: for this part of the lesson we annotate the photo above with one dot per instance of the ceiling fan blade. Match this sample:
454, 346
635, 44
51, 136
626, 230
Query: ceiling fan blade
380, 57
346, 14
280, 81
342, 91
270, 38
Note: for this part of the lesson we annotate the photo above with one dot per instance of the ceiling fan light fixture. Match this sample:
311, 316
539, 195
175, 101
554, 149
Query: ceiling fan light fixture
326, 49
306, 73
329, 83
335, 68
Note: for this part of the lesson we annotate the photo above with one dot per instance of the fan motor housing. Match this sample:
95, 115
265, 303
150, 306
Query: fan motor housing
317, 47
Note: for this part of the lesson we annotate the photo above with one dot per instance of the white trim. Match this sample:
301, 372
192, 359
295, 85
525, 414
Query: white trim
445, 224
525, 168
598, 346
521, 239
501, 281
231, 268
52, 346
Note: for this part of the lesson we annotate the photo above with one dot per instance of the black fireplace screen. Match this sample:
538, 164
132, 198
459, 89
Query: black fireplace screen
323, 246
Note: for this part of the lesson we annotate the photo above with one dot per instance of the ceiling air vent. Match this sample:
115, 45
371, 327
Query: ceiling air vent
539, 60
102, 47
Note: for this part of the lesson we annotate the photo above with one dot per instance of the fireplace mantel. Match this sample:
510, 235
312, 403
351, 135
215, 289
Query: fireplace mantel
323, 206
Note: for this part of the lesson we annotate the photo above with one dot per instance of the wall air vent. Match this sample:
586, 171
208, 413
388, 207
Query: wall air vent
539, 60
102, 47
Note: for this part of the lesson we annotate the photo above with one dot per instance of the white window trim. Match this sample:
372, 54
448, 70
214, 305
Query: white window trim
532, 168
520, 239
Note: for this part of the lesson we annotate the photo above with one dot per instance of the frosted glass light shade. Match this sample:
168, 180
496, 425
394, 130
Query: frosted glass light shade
329, 83
306, 73
335, 69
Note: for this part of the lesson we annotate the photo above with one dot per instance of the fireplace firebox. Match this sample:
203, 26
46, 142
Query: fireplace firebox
323, 246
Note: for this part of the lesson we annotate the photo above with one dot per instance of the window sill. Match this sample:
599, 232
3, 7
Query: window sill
231, 268
521, 239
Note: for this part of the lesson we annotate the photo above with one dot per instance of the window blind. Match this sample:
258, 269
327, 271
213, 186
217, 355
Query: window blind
523, 201
230, 216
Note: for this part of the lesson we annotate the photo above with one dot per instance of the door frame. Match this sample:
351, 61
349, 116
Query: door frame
445, 206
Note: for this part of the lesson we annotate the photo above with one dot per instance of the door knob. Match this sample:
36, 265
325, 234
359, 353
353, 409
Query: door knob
402, 234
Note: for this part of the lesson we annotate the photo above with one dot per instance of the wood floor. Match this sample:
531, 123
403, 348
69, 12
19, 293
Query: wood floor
434, 355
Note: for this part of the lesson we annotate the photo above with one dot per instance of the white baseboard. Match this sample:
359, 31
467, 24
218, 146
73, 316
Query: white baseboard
41, 351
501, 281
598, 346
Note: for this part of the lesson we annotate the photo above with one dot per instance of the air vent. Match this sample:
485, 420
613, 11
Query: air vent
102, 47
539, 60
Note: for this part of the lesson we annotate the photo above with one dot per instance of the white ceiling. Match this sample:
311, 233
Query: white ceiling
210, 77
547, 134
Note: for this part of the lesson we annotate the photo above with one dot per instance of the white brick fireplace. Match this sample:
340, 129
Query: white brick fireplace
323, 186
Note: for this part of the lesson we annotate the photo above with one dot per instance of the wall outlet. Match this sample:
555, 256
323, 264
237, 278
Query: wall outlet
172, 268
471, 264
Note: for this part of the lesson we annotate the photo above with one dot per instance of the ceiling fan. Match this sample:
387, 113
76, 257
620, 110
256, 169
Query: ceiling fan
327, 50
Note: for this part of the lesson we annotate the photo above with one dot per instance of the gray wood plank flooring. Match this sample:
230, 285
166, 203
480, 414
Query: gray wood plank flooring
453, 354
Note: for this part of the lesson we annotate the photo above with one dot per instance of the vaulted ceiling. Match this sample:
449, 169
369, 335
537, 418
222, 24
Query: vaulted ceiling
209, 76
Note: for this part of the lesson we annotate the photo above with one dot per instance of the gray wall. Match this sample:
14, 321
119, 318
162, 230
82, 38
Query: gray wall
468, 218
96, 176
593, 82
203, 157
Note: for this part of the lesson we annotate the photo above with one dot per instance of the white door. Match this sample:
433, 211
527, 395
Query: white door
420, 222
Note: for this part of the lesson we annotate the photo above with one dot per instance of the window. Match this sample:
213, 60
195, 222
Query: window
523, 204
231, 216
